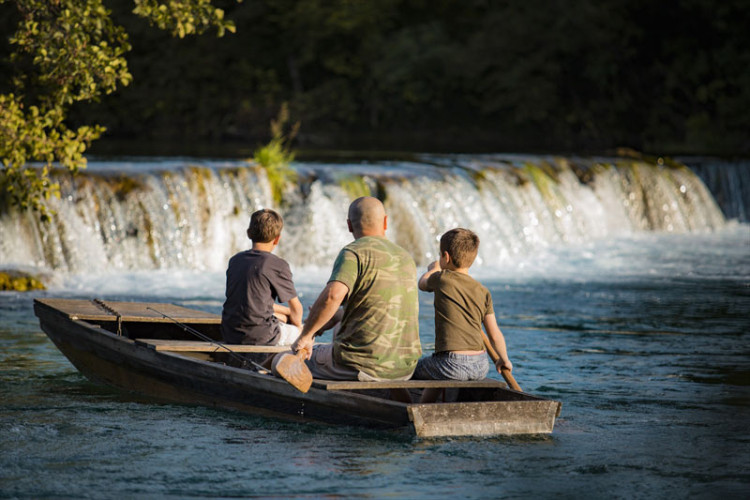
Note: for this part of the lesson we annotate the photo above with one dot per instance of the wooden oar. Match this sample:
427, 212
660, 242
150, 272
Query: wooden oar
503, 371
292, 368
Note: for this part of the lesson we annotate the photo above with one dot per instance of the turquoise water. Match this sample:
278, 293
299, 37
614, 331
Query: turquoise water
644, 340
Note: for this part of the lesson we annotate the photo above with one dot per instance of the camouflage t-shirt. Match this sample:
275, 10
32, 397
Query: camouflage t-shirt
379, 332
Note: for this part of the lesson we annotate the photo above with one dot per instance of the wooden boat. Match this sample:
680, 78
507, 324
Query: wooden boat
145, 348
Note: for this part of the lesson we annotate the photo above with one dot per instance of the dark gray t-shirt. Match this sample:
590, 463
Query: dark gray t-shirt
255, 279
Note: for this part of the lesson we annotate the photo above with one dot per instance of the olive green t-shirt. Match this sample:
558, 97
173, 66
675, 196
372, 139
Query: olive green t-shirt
461, 303
379, 333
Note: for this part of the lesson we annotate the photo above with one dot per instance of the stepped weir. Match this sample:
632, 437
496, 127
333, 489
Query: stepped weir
192, 214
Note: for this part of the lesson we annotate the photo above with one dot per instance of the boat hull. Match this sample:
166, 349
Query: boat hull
116, 360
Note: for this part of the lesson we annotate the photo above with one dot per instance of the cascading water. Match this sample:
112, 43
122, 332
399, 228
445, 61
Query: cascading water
176, 218
193, 215
729, 182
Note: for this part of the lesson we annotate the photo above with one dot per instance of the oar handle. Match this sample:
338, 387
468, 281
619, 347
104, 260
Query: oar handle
510, 380
503, 371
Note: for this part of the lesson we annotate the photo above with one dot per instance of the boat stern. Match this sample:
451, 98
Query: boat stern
489, 418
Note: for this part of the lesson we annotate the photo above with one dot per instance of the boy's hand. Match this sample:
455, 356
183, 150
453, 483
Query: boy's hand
500, 365
434, 265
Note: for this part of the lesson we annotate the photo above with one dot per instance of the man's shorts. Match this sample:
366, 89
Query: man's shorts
451, 366
322, 365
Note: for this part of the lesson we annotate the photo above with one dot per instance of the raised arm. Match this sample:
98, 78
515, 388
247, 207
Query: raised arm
433, 268
497, 340
322, 311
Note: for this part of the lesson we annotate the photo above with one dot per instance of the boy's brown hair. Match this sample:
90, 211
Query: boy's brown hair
462, 245
265, 226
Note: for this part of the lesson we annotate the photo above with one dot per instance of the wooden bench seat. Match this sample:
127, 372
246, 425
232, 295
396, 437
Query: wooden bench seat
347, 385
199, 346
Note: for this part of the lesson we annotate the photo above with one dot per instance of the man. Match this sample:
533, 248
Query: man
376, 280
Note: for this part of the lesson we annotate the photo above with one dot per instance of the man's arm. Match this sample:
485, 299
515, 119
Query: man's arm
322, 311
498, 342
433, 268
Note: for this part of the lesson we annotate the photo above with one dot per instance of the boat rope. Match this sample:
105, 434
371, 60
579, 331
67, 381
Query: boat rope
110, 310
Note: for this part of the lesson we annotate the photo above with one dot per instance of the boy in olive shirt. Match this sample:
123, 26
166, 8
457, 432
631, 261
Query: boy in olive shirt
462, 305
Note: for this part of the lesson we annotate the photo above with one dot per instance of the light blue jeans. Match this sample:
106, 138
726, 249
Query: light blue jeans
451, 366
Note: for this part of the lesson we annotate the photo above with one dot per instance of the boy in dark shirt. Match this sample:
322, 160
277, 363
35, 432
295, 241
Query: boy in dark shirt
255, 280
462, 305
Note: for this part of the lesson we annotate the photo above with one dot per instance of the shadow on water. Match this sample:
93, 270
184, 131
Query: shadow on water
723, 376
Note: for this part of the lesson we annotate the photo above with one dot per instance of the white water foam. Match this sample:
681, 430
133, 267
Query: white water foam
721, 255
193, 217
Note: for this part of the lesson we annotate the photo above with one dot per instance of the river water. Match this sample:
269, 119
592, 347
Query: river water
643, 336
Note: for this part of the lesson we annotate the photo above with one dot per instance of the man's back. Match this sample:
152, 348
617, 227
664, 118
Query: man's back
380, 328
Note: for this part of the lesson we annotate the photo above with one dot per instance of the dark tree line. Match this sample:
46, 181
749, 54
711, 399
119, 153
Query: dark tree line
452, 75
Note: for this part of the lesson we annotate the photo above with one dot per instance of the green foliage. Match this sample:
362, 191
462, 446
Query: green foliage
276, 156
540, 177
37, 135
19, 282
355, 186
184, 18
455, 75
76, 50
70, 51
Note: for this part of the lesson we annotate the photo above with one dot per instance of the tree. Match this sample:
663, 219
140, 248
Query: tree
68, 51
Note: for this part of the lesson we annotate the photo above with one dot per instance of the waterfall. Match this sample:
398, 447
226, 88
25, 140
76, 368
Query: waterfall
193, 215
729, 181
186, 218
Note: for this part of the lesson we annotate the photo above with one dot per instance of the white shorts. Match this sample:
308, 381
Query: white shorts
288, 335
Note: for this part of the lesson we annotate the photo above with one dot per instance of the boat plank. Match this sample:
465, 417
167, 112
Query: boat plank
88, 310
199, 346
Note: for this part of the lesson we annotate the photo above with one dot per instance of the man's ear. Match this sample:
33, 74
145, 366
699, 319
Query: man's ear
447, 257
385, 222
248, 233
349, 224
276, 240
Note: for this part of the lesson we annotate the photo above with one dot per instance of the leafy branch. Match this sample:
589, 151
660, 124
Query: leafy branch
76, 54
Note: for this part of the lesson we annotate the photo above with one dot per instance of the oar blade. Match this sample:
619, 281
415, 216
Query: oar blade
293, 369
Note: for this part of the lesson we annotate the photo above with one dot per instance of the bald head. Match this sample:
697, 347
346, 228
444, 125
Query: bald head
367, 217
